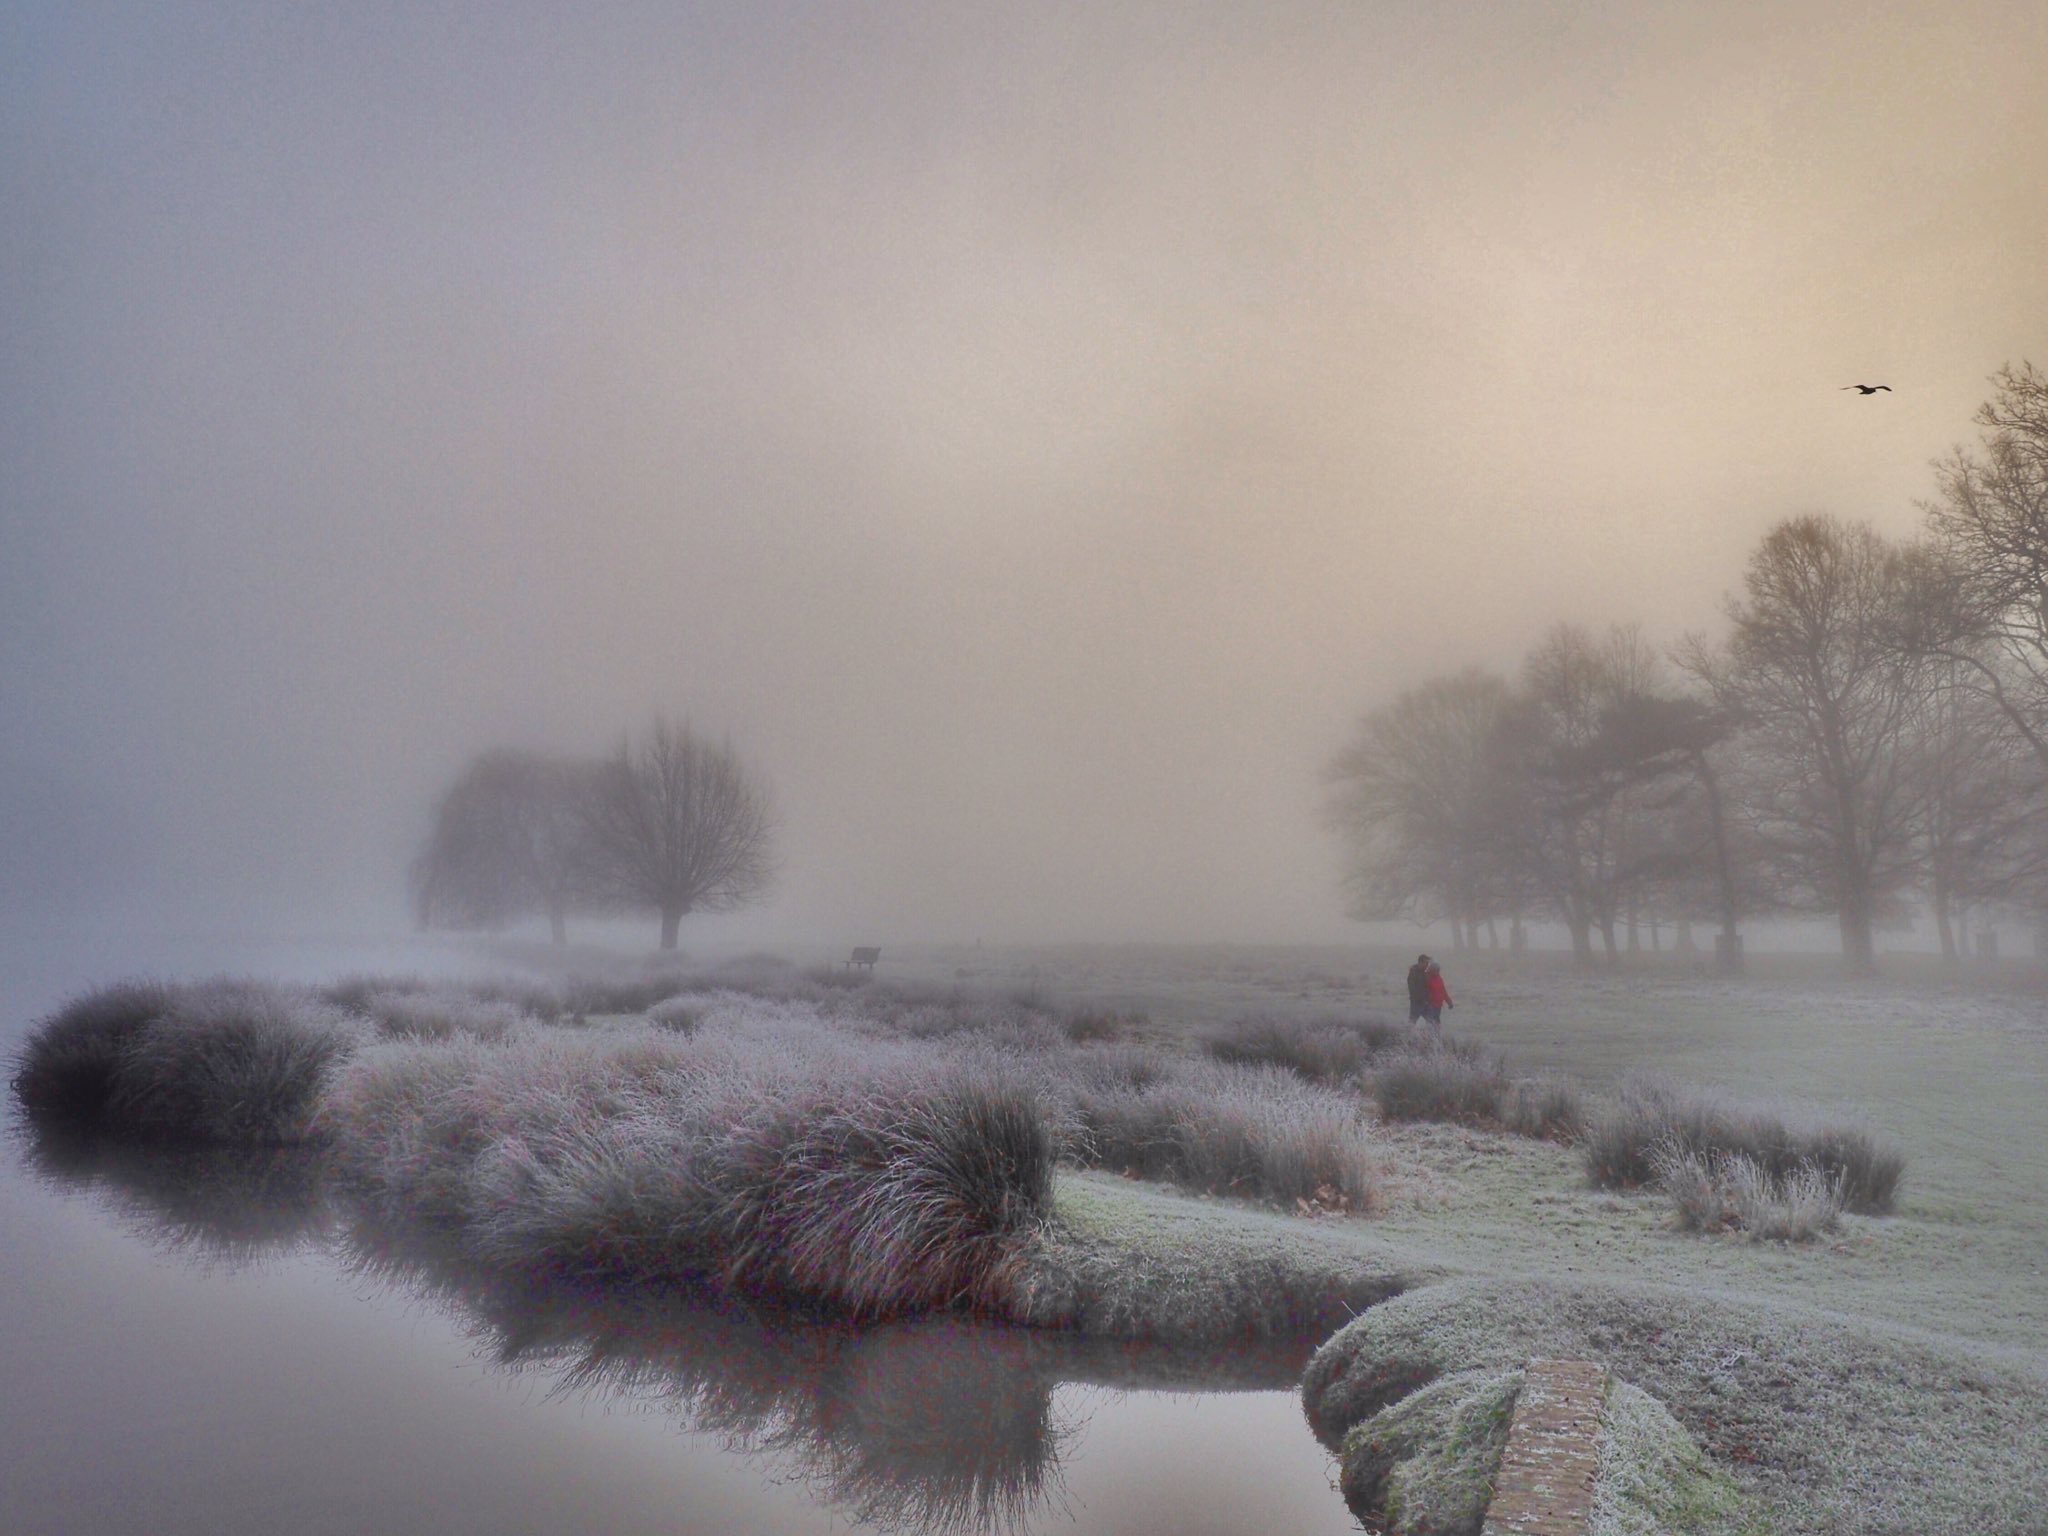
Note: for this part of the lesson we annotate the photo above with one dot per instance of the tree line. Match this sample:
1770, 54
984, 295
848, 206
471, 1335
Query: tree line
1870, 732
671, 824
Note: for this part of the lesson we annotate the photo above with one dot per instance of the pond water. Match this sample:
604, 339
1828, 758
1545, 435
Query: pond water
207, 1343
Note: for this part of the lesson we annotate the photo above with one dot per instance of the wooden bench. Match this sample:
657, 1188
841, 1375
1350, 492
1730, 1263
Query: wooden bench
864, 959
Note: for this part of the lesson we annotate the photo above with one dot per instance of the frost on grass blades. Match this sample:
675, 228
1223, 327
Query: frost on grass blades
1410, 1073
1717, 1191
219, 1061
877, 1154
1654, 1119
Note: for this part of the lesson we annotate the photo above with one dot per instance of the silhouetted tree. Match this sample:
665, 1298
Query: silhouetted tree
1980, 591
1423, 799
677, 824
1981, 803
1813, 669
1603, 823
1666, 747
507, 840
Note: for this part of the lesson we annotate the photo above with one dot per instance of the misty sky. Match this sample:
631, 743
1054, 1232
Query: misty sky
1032, 433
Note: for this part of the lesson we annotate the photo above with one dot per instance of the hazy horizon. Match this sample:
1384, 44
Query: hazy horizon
1031, 437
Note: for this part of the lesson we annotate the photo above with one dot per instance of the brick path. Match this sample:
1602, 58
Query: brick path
1545, 1486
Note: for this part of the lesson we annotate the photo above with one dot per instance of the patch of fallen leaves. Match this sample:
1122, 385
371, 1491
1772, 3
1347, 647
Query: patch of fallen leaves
1328, 1200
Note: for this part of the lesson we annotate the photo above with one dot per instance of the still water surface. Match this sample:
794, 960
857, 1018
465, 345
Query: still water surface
205, 1344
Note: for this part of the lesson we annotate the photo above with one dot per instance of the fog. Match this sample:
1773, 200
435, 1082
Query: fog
1032, 435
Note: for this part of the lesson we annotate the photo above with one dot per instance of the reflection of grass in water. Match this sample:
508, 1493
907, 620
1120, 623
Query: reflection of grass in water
925, 1427
227, 1206
935, 1424
935, 1427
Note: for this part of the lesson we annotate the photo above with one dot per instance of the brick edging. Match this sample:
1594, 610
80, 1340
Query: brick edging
1545, 1483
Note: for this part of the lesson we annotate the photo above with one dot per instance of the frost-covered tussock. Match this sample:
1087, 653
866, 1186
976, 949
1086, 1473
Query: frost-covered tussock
1722, 1191
1411, 1072
781, 1160
1655, 1121
876, 1154
213, 1061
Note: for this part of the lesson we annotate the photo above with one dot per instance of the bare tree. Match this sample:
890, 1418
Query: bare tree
1812, 666
506, 841
1603, 829
1981, 803
1671, 750
1982, 590
1422, 804
678, 824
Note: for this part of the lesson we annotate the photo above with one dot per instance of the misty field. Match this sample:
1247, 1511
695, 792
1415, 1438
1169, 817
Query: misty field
1219, 1145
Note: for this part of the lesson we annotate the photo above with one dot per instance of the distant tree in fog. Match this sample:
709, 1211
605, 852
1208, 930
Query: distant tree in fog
1671, 754
1608, 780
507, 841
1813, 668
1983, 802
1424, 800
676, 824
1983, 592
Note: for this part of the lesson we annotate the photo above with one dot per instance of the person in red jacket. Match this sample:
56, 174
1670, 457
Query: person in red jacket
1439, 994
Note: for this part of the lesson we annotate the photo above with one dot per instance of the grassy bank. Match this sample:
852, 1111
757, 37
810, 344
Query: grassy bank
1830, 1424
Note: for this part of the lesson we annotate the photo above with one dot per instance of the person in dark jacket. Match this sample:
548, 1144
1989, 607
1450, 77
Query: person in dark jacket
1439, 994
1418, 988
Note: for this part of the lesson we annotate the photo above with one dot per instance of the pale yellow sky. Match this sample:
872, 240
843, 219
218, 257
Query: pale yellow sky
1033, 433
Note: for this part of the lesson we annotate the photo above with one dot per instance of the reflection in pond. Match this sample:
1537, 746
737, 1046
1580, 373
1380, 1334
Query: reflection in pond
221, 1205
940, 1424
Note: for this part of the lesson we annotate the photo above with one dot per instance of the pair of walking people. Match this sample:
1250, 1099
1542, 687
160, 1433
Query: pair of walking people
1428, 993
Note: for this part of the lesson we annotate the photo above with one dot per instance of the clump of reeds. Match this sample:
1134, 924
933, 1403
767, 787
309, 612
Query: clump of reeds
354, 992
1699, 1200
835, 978
435, 1014
1545, 1108
889, 1189
1439, 1081
678, 1015
1255, 1132
1085, 1026
1651, 1113
372, 995
1320, 1050
1411, 1072
1108, 1065
909, 1194
1793, 1207
1713, 1192
587, 995
216, 1061
67, 1068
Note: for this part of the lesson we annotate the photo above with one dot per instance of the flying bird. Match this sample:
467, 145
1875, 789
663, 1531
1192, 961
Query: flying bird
1868, 389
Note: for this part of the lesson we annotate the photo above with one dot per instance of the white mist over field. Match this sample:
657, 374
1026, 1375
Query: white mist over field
1031, 436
